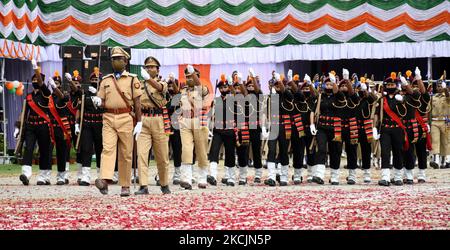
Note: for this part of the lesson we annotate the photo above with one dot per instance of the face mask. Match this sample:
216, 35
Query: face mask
35, 85
190, 82
94, 84
391, 90
118, 65
361, 93
328, 91
224, 93
307, 94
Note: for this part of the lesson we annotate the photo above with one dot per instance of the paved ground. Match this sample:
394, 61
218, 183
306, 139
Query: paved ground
307, 206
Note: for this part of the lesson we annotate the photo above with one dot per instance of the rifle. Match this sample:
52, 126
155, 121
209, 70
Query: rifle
19, 145
77, 145
316, 122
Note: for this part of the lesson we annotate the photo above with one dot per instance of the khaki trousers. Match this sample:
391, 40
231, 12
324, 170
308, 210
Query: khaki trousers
153, 136
440, 137
194, 136
117, 135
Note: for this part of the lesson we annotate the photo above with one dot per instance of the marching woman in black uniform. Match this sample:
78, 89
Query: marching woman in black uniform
393, 132
174, 138
366, 131
61, 126
329, 129
281, 103
91, 130
304, 103
416, 100
37, 128
255, 116
349, 130
223, 133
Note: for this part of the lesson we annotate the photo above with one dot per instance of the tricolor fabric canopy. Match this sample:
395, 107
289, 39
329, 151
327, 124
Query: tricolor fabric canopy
237, 31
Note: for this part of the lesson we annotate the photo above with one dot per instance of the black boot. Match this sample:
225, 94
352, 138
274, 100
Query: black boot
398, 183
270, 182
165, 190
242, 183
318, 180
257, 180
23, 178
143, 190
224, 181
384, 183
186, 185
211, 180
102, 186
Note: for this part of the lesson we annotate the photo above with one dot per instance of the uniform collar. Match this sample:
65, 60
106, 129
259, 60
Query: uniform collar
117, 75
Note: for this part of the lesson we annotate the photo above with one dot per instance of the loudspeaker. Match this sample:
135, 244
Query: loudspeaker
71, 52
92, 51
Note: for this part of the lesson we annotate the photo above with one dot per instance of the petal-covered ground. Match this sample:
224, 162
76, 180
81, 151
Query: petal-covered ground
308, 206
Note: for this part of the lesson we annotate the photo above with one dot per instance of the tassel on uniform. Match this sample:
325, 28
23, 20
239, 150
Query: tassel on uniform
368, 128
287, 126
167, 127
337, 129
353, 130
299, 125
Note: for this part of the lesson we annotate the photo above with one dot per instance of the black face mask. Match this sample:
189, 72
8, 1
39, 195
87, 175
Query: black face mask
361, 93
328, 91
307, 94
391, 90
94, 84
224, 93
36, 85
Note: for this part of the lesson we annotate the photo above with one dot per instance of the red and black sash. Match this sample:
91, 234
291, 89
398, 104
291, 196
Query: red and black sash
337, 124
43, 115
397, 120
424, 126
242, 134
63, 125
72, 110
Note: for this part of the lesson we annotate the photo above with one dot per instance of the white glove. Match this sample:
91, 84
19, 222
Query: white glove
428, 127
307, 79
34, 64
190, 69
363, 86
332, 78
77, 128
230, 80
16, 132
399, 98
52, 83
277, 77
68, 76
313, 129
210, 135
1, 89
264, 133
403, 80
443, 84
289, 75
345, 74
137, 130
418, 76
171, 75
239, 77
145, 74
251, 72
92, 90
97, 101
376, 136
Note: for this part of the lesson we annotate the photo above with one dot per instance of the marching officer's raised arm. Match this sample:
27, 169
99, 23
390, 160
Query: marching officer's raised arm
137, 92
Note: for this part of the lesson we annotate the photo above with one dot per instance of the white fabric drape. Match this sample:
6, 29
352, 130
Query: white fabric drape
294, 52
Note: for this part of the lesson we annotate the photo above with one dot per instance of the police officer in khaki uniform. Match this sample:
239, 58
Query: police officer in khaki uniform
153, 104
119, 93
193, 128
440, 130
